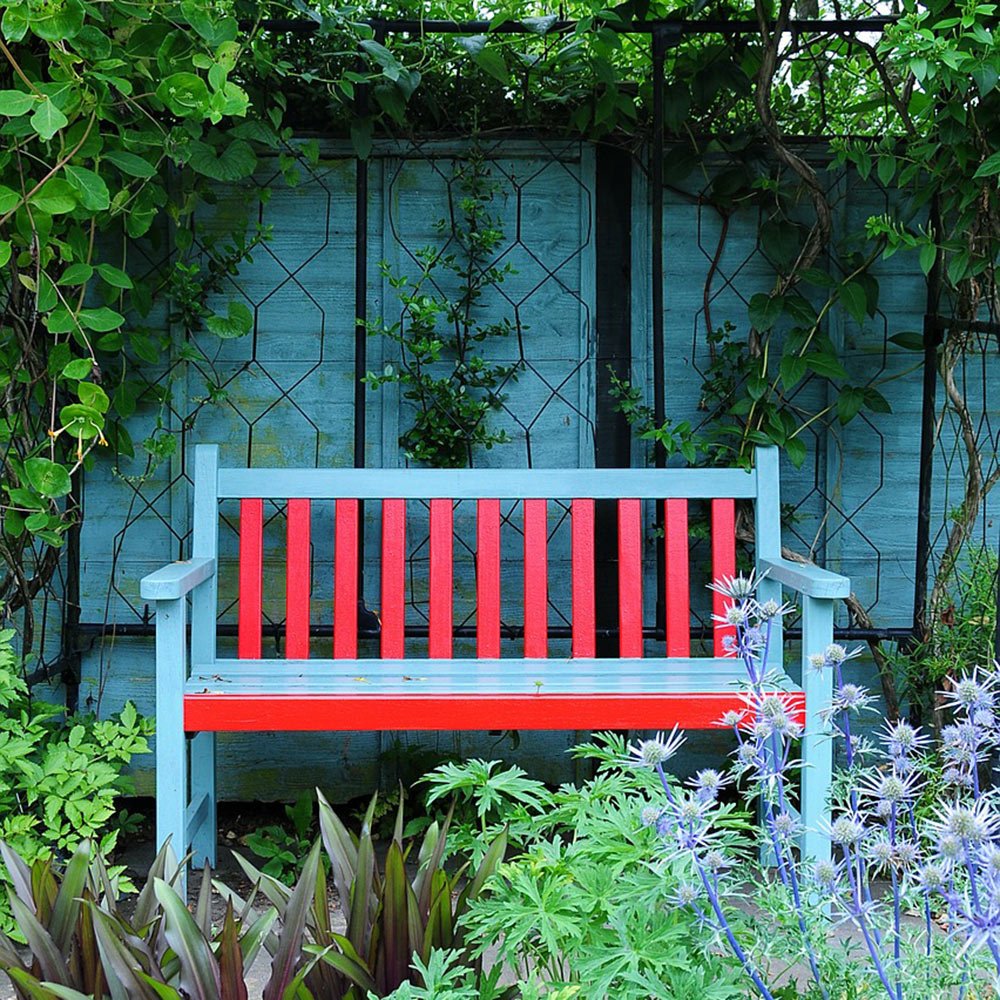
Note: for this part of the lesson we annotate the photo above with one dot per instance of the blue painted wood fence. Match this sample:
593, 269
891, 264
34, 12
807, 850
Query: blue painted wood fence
285, 395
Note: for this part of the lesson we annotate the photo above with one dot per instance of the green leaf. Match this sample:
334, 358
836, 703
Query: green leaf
114, 276
76, 274
101, 320
928, 256
198, 971
876, 402
14, 103
56, 22
540, 25
990, 167
361, 137
849, 402
48, 119
55, 196
48, 478
5, 252
796, 451
94, 396
14, 24
792, 369
67, 906
129, 163
237, 323
9, 198
232, 161
764, 311
852, 294
909, 340
491, 61
825, 364
185, 94
80, 421
90, 188
78, 368
293, 925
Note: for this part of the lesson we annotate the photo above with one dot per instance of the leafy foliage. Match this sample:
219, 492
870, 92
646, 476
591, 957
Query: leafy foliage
390, 919
451, 386
83, 943
116, 119
284, 848
582, 906
59, 778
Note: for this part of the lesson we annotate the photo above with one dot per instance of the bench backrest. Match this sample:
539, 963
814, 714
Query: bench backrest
534, 488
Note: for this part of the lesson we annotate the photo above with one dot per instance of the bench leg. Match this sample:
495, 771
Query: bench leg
817, 744
171, 744
203, 829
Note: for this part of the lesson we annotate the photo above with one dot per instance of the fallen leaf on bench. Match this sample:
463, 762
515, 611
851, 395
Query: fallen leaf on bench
363, 680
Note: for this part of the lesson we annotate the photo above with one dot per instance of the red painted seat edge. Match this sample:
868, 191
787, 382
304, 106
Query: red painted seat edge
273, 712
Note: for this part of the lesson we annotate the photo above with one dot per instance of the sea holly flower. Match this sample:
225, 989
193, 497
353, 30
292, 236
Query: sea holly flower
900, 739
739, 587
655, 752
968, 822
973, 691
708, 783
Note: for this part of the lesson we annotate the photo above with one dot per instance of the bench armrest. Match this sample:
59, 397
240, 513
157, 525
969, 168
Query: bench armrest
806, 578
174, 581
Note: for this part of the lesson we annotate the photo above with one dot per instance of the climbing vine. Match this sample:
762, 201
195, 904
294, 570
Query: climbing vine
442, 368
117, 120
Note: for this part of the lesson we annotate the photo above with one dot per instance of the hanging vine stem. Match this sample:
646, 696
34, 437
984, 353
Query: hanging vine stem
819, 235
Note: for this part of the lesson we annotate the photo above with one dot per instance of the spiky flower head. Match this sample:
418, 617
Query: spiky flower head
716, 861
656, 751
973, 691
847, 830
932, 877
731, 719
900, 739
686, 894
786, 826
878, 850
851, 698
736, 615
650, 815
739, 587
905, 853
889, 787
968, 822
708, 782
825, 874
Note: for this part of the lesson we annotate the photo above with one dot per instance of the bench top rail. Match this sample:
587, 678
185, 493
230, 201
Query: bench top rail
475, 484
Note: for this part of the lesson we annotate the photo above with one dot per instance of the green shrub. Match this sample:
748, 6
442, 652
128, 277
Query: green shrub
59, 777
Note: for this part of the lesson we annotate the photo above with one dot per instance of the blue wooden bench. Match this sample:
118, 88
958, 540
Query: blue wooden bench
199, 693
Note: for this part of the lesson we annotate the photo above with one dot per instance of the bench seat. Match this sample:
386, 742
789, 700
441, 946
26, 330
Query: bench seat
327, 695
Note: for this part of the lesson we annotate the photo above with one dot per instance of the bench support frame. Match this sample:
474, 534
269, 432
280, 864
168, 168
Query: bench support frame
187, 723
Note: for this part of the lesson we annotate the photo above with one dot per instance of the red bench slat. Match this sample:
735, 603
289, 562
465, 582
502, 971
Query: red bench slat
630, 578
723, 565
250, 600
678, 582
536, 585
302, 713
440, 611
298, 580
345, 581
393, 609
488, 579
584, 618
